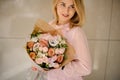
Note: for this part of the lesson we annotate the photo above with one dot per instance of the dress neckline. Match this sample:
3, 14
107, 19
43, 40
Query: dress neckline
62, 25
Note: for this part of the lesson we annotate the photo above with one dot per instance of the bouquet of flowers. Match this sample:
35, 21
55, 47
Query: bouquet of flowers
46, 50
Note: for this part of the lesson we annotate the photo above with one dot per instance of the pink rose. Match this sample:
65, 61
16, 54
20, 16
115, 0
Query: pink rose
51, 52
40, 48
32, 55
30, 44
43, 42
45, 59
60, 58
59, 50
45, 49
54, 58
39, 60
56, 65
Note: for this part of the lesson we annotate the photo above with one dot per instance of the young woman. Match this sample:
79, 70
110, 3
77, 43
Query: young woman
69, 18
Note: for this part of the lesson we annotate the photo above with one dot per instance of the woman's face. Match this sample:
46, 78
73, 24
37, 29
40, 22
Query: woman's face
65, 11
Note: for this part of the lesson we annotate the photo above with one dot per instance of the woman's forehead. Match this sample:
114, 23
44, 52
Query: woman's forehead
69, 2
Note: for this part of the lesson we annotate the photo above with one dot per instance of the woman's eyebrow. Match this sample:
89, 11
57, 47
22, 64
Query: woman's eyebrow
62, 2
65, 3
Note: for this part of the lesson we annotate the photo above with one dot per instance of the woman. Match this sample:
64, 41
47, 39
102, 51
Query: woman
69, 18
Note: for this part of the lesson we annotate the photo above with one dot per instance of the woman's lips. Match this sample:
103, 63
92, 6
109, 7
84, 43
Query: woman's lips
65, 15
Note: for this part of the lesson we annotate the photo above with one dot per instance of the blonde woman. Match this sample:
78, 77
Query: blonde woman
69, 17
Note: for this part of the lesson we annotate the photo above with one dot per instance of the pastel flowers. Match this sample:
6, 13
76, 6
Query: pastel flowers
46, 50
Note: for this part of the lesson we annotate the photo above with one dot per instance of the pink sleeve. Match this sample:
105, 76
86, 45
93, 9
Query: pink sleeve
82, 66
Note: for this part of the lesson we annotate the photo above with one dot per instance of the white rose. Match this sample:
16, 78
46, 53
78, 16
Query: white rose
53, 42
36, 46
39, 54
34, 39
63, 42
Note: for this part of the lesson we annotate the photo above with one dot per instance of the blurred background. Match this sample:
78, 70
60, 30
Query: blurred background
17, 18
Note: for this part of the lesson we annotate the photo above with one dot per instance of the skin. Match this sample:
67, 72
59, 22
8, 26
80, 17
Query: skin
65, 11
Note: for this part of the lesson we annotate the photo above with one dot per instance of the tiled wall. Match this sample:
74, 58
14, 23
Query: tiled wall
17, 18
103, 32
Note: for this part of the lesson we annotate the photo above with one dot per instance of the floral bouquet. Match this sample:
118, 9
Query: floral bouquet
46, 50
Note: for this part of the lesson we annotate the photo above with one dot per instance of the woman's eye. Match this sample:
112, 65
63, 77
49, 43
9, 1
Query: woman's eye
72, 6
63, 4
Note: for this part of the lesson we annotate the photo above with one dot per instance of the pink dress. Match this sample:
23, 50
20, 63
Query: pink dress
75, 70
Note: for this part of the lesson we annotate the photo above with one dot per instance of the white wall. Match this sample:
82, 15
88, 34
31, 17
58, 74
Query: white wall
17, 18
103, 32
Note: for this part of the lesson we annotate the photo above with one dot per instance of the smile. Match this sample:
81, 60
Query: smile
65, 15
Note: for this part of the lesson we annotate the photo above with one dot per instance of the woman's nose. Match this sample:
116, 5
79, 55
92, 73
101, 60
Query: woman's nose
66, 10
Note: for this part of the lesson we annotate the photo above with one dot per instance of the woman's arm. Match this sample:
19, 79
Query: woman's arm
82, 64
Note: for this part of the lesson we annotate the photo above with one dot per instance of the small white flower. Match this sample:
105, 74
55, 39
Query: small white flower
63, 42
53, 41
36, 46
39, 54
34, 39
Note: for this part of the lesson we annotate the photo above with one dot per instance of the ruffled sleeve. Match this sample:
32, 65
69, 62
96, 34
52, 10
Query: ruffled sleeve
82, 65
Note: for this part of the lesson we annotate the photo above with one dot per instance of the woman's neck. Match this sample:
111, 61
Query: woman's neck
62, 23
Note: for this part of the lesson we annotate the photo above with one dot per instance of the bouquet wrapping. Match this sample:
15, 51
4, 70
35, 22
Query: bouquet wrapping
46, 50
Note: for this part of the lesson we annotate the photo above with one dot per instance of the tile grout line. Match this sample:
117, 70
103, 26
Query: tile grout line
108, 46
88, 39
12, 37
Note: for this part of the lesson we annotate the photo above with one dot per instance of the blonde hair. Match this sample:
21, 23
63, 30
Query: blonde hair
79, 17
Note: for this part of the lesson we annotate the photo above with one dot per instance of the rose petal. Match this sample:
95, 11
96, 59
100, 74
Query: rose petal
51, 52
60, 58
30, 44
32, 55
39, 60
45, 49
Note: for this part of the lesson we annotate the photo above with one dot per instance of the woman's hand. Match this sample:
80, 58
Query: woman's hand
35, 68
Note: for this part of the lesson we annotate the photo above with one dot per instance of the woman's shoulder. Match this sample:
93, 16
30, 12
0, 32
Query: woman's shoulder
76, 28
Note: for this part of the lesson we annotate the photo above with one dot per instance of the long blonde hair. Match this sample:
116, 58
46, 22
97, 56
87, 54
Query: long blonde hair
79, 17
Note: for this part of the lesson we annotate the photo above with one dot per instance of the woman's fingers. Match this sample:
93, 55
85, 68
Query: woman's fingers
34, 68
